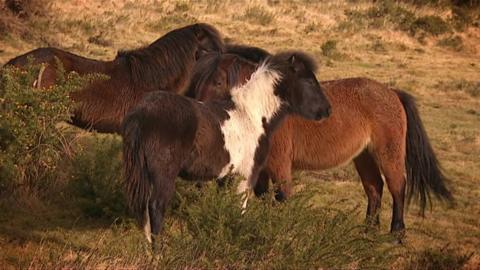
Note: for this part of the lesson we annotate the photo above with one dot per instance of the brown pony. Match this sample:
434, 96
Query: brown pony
168, 135
377, 127
163, 65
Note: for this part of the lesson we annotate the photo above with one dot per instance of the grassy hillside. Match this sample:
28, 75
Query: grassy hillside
431, 51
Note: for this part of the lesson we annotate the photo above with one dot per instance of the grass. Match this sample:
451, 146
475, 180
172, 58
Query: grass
431, 24
61, 231
204, 229
453, 42
258, 15
471, 88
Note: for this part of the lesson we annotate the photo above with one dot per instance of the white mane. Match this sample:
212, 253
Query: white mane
254, 103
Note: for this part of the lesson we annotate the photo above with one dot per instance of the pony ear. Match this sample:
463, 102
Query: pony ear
200, 33
296, 64
200, 53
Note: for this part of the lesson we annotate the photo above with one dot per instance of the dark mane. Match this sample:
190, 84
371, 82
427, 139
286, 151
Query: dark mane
202, 72
169, 56
306, 59
253, 54
208, 65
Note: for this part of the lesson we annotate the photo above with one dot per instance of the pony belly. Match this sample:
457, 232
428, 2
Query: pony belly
204, 167
329, 157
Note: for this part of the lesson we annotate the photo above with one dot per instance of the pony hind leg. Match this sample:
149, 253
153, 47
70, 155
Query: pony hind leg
163, 168
392, 164
372, 184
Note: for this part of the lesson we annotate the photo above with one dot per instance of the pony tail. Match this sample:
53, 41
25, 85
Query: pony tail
424, 175
137, 181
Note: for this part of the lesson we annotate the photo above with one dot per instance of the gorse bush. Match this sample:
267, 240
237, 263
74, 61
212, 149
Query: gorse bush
97, 178
206, 230
390, 11
431, 24
31, 144
398, 16
442, 259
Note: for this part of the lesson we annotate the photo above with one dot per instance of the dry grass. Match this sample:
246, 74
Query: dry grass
452, 118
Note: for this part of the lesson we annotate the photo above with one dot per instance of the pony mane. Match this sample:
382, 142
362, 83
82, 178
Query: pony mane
254, 54
281, 58
207, 66
168, 57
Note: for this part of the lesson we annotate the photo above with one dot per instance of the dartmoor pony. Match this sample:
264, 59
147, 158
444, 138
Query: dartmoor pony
168, 135
163, 65
377, 127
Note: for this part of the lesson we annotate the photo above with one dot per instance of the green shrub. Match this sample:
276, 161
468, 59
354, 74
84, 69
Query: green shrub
462, 18
390, 11
97, 178
258, 15
31, 144
453, 42
207, 230
329, 48
431, 24
443, 259
181, 6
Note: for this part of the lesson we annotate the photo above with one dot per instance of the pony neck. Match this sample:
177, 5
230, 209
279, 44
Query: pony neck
256, 98
164, 64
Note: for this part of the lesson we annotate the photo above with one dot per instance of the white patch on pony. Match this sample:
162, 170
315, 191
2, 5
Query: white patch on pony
254, 101
146, 227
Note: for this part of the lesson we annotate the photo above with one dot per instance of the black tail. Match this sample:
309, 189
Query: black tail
136, 173
424, 175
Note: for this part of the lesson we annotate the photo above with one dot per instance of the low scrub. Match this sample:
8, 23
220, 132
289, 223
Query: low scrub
471, 88
431, 24
398, 16
453, 42
209, 231
96, 178
205, 229
439, 259
31, 143
258, 15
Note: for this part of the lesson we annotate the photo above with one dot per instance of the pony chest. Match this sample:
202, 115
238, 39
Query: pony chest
241, 141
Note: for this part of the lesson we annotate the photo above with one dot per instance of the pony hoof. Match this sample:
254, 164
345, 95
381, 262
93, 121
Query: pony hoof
280, 196
399, 237
398, 242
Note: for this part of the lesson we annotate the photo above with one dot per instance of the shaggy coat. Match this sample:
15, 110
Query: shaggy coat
168, 135
376, 127
163, 65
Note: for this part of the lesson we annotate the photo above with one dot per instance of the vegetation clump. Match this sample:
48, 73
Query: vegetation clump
430, 24
258, 15
97, 178
31, 143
